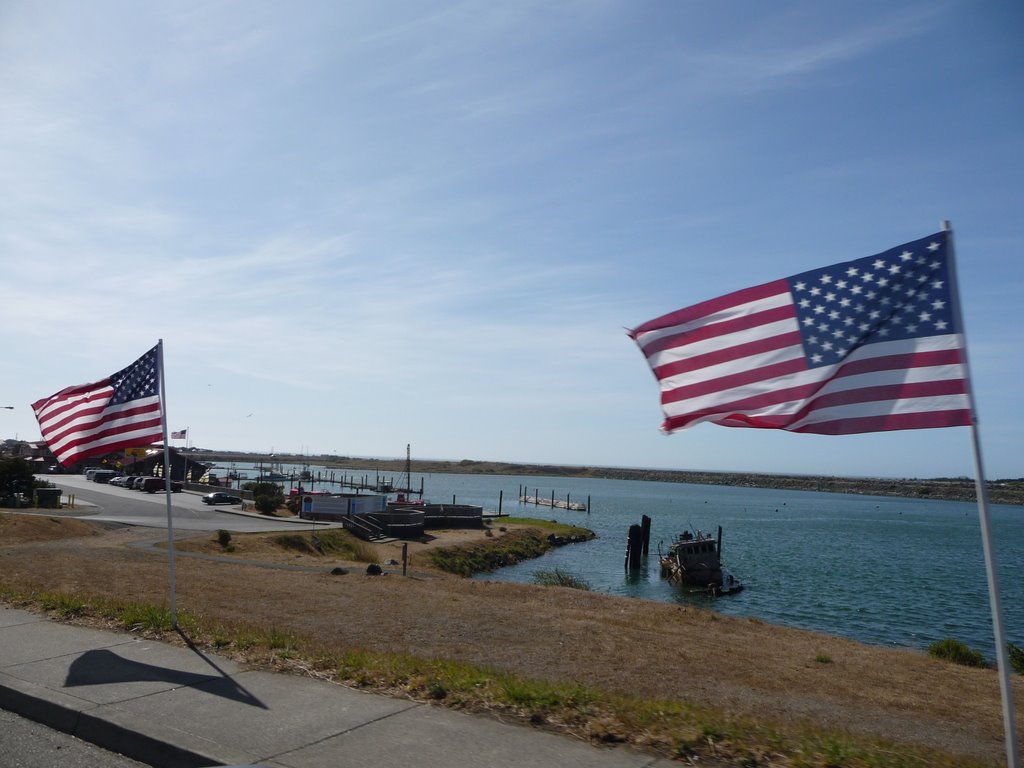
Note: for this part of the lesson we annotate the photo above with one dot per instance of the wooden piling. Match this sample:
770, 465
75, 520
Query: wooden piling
645, 526
634, 547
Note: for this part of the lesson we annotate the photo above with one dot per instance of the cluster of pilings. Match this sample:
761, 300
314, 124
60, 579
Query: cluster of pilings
537, 500
638, 544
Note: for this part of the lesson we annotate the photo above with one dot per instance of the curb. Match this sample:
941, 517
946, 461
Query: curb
101, 731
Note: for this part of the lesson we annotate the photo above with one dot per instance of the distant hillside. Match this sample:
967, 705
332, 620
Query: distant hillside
956, 489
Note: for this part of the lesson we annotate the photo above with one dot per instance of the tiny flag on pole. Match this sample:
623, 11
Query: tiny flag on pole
179, 435
869, 345
118, 412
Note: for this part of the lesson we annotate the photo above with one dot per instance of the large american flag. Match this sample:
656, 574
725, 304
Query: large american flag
121, 411
863, 346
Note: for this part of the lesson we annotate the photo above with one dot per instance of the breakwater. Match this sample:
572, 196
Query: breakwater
951, 489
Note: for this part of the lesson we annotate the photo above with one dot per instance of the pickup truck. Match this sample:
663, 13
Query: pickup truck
154, 484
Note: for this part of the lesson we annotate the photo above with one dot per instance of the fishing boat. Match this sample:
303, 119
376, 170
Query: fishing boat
695, 560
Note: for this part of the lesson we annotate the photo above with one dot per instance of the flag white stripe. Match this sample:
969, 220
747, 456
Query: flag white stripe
106, 419
721, 316
884, 408
814, 375
61, 409
726, 341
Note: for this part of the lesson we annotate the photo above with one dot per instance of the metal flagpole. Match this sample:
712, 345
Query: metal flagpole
167, 483
1009, 719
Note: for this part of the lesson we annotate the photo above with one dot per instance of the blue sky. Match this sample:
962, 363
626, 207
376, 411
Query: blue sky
365, 224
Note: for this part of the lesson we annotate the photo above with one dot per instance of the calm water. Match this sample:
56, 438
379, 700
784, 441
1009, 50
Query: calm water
887, 571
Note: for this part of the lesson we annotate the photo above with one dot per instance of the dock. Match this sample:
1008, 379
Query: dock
550, 501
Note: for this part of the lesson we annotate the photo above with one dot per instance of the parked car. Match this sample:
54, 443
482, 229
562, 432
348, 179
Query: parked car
137, 482
219, 497
154, 484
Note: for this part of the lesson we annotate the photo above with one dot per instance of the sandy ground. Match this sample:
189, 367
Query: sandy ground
647, 649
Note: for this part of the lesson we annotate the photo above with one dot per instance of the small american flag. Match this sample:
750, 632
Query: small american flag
863, 346
120, 411
179, 435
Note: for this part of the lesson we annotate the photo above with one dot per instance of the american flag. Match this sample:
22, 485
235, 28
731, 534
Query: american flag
179, 435
121, 411
863, 346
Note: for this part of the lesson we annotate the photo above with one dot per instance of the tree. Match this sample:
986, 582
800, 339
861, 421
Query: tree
266, 496
16, 477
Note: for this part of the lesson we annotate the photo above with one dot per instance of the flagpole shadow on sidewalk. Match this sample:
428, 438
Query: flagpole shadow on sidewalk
104, 667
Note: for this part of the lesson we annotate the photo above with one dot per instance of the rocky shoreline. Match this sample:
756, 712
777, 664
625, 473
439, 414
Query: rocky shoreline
952, 489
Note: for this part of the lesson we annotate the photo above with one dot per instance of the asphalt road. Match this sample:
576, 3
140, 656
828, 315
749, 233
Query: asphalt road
98, 501
25, 744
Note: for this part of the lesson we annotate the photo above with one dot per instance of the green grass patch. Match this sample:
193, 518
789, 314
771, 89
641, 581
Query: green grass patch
508, 549
512, 548
140, 616
64, 605
551, 526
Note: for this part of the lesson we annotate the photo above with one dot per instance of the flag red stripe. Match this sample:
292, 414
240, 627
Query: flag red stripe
732, 381
86, 427
710, 307
734, 411
53, 411
714, 330
923, 359
891, 393
924, 420
719, 356
152, 424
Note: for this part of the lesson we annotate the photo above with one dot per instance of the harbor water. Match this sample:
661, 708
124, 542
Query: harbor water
886, 571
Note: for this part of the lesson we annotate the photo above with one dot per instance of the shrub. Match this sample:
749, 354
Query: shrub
956, 652
223, 538
17, 479
267, 497
1016, 658
560, 578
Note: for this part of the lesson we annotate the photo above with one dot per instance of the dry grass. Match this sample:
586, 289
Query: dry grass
745, 676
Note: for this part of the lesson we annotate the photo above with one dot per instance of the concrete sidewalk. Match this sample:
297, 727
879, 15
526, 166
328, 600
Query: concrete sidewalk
172, 706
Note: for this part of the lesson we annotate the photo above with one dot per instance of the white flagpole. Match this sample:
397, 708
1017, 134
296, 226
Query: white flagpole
1002, 662
167, 484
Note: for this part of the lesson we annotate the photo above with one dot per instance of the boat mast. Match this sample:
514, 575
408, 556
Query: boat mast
407, 476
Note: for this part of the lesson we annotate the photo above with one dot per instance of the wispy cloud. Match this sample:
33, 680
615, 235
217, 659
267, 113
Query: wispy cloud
382, 221
795, 45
